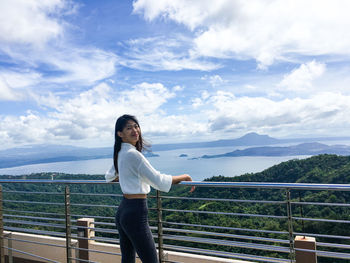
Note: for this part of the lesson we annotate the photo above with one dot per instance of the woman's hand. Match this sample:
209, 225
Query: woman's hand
183, 177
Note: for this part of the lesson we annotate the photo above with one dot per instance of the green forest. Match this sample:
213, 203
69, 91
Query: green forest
234, 213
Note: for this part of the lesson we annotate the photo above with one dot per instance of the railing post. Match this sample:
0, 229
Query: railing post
306, 243
160, 228
290, 226
85, 233
68, 224
2, 250
9, 250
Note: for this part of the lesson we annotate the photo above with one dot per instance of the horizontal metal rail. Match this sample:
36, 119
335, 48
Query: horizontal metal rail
216, 234
224, 200
32, 212
31, 254
92, 216
34, 217
321, 204
228, 228
32, 202
295, 186
228, 243
31, 223
34, 242
83, 260
224, 213
34, 231
92, 205
232, 255
27, 192
333, 245
322, 220
330, 254
93, 194
106, 239
322, 235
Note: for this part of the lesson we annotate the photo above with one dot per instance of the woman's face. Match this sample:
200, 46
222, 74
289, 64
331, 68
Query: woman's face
130, 133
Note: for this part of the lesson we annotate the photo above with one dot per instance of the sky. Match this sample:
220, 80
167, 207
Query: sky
189, 70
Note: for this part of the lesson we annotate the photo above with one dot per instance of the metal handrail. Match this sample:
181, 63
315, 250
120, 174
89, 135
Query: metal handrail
295, 186
228, 228
184, 232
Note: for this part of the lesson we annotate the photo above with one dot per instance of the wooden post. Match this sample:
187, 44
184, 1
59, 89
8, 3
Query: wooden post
160, 228
68, 224
2, 250
290, 226
85, 233
309, 243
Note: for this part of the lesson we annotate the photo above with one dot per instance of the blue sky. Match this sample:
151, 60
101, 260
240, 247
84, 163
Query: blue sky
189, 70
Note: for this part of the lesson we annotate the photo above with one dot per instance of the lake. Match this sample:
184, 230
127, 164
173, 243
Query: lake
168, 162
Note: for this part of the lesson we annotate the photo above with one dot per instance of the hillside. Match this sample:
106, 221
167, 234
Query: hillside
317, 169
325, 168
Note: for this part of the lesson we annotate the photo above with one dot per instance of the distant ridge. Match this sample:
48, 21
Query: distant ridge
249, 139
314, 148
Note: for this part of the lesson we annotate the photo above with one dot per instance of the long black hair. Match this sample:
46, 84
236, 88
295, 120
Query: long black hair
119, 126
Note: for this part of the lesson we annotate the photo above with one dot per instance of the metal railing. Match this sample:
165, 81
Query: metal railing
219, 219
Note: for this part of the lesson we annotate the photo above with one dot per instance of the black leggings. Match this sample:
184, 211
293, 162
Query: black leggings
134, 232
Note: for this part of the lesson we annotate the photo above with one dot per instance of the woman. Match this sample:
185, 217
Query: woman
135, 175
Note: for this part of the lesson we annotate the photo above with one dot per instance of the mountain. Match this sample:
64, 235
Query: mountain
49, 153
250, 139
300, 149
246, 140
44, 153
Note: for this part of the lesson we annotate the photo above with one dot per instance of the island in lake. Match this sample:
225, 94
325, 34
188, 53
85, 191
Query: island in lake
313, 148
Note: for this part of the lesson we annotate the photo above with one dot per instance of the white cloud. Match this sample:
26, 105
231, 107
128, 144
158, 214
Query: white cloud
322, 113
20, 79
89, 116
6, 93
75, 66
160, 53
178, 88
301, 78
34, 38
23, 129
146, 97
205, 94
82, 65
215, 80
172, 128
200, 101
197, 102
12, 84
30, 22
260, 29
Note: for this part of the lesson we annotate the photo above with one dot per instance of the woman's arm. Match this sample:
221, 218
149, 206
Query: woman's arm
179, 178
183, 177
111, 175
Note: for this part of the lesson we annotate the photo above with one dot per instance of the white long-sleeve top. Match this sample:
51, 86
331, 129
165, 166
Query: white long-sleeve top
136, 174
